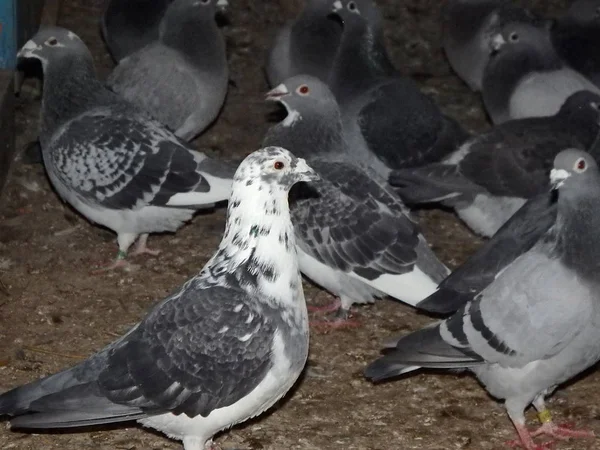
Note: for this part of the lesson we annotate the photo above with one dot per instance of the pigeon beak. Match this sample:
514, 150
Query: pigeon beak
497, 43
276, 93
305, 172
558, 177
222, 4
337, 5
27, 50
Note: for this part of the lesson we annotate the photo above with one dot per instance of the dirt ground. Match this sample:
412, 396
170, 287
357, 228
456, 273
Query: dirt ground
53, 313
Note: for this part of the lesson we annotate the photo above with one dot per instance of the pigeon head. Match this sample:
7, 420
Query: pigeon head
573, 168
584, 12
179, 10
518, 36
303, 95
582, 105
274, 166
352, 11
52, 44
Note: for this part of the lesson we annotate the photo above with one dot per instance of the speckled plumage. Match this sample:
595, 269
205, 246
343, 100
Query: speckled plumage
223, 348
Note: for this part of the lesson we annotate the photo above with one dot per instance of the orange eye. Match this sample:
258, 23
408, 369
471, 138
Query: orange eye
278, 165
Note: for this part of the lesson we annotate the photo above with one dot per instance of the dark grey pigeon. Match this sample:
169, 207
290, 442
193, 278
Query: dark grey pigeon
576, 38
181, 78
388, 122
514, 238
468, 28
129, 25
353, 234
489, 178
537, 324
109, 160
306, 45
222, 349
525, 77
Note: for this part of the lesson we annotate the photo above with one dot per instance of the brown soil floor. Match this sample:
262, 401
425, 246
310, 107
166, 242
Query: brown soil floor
53, 312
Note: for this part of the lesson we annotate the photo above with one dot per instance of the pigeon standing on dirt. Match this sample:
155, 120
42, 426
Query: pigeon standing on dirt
110, 161
129, 25
489, 178
537, 324
468, 27
180, 79
576, 38
222, 349
525, 77
388, 122
353, 234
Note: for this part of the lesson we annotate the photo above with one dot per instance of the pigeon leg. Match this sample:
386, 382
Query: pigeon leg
341, 319
141, 248
331, 307
125, 240
516, 413
550, 429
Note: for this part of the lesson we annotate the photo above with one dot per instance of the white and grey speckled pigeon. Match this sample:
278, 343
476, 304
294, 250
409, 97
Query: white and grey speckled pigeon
110, 161
180, 79
129, 25
537, 324
468, 27
222, 349
388, 122
353, 235
576, 38
525, 77
491, 175
514, 238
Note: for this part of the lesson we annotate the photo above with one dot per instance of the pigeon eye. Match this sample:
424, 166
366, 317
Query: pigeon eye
352, 6
303, 90
278, 165
513, 37
580, 165
52, 42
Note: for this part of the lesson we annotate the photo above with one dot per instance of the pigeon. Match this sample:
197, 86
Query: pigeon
525, 77
468, 27
307, 45
388, 122
129, 25
537, 324
222, 349
576, 38
181, 78
489, 178
110, 161
514, 238
353, 234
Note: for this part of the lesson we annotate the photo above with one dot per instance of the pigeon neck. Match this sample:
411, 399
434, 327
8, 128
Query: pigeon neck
362, 56
69, 89
258, 247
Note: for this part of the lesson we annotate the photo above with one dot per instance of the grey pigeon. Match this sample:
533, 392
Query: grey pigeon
307, 45
388, 122
180, 79
514, 238
525, 77
468, 27
576, 38
489, 178
110, 161
222, 349
353, 234
537, 324
129, 25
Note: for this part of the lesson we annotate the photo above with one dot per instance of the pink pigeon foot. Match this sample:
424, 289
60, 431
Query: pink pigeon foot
562, 432
119, 263
329, 308
141, 248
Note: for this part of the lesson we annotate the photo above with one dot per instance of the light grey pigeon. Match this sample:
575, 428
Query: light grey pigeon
489, 178
129, 25
109, 160
388, 122
468, 27
514, 238
576, 38
525, 77
180, 79
307, 45
222, 349
353, 234
537, 324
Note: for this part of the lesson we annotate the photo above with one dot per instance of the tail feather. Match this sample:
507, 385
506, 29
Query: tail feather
445, 301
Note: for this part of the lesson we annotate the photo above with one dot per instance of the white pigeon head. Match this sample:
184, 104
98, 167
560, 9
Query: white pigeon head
573, 168
304, 95
274, 167
53, 43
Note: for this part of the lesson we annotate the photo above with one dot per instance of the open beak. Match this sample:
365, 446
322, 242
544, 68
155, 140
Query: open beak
277, 92
558, 177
